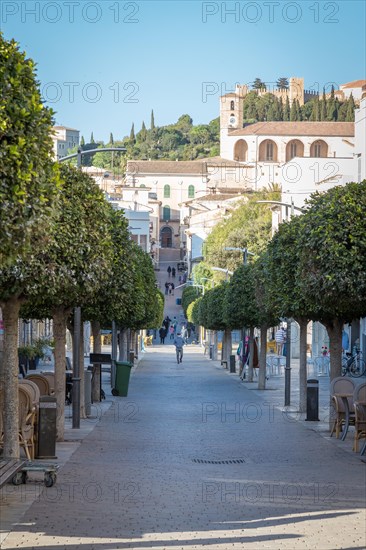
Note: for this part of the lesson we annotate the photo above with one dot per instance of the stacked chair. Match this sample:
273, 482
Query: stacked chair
359, 396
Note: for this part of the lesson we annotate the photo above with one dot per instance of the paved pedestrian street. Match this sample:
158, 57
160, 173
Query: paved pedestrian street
193, 458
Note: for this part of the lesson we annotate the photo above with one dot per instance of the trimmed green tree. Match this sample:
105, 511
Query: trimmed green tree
332, 263
29, 185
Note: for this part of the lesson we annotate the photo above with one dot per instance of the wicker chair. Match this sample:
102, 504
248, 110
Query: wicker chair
359, 395
27, 414
51, 379
33, 388
42, 383
341, 385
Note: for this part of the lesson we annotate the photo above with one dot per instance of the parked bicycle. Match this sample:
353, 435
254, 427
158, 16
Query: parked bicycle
354, 365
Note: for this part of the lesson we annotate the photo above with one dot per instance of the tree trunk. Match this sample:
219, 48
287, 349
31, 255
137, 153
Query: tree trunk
214, 344
82, 376
97, 337
303, 323
10, 310
334, 329
97, 348
228, 345
59, 333
251, 354
123, 344
133, 341
263, 359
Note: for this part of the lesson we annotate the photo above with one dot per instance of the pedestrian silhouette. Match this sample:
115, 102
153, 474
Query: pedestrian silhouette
173, 272
162, 334
169, 270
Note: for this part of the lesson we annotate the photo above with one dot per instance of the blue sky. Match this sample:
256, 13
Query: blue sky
105, 64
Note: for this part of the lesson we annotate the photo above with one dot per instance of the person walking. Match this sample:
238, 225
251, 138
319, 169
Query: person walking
162, 334
169, 270
173, 272
166, 323
280, 338
166, 287
184, 334
179, 343
171, 332
172, 288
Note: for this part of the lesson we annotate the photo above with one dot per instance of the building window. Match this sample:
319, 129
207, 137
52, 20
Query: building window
232, 107
166, 213
142, 185
191, 191
319, 149
294, 148
166, 191
268, 151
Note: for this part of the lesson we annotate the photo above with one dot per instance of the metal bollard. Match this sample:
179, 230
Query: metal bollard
287, 386
312, 400
88, 391
47, 427
232, 364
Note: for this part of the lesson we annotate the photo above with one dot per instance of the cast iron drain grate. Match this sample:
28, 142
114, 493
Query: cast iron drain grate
234, 461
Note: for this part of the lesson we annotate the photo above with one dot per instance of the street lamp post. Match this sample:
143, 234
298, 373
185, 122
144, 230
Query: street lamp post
76, 367
245, 253
292, 208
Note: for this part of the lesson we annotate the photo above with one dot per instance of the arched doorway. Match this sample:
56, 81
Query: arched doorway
319, 149
166, 236
268, 151
294, 148
241, 150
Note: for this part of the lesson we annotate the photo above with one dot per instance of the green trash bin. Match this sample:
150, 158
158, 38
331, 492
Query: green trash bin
123, 371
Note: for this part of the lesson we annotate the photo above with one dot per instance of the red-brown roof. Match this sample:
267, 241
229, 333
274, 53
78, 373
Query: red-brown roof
354, 84
342, 129
166, 167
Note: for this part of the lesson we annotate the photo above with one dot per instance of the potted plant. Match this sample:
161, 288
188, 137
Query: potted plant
26, 354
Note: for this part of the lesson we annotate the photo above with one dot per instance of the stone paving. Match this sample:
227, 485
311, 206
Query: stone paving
194, 458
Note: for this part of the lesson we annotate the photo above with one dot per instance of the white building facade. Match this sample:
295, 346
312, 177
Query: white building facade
64, 139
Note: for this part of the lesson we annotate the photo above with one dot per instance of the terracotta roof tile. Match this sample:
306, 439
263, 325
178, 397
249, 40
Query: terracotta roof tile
297, 129
166, 167
354, 84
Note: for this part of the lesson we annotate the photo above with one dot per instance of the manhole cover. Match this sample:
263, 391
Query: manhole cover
233, 461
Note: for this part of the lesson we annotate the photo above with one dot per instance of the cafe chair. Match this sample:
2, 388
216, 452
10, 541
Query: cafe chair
359, 399
340, 386
42, 383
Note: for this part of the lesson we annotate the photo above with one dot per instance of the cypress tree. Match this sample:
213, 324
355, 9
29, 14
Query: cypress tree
279, 109
323, 109
111, 140
132, 133
152, 122
336, 108
331, 106
293, 111
82, 141
143, 132
298, 110
92, 138
286, 110
350, 115
315, 115
270, 112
